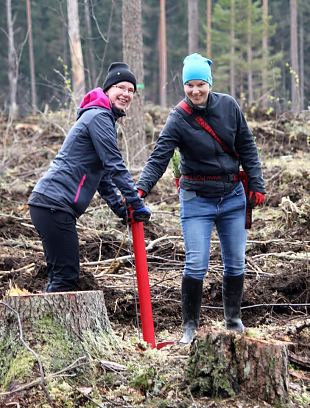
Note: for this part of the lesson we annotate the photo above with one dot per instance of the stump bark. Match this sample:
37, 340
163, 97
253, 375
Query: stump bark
77, 312
223, 363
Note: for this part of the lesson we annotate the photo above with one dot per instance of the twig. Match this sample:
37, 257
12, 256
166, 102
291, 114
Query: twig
164, 238
283, 255
49, 377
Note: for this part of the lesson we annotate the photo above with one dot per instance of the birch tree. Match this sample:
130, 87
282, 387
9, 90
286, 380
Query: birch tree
13, 64
78, 78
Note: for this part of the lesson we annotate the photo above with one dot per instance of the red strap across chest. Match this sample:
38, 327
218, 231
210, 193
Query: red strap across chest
201, 122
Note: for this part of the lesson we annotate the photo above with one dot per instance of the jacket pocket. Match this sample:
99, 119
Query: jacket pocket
78, 192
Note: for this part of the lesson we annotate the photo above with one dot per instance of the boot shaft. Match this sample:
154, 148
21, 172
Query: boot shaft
232, 297
191, 300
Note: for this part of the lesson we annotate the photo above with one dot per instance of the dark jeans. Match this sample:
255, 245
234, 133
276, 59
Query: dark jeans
57, 230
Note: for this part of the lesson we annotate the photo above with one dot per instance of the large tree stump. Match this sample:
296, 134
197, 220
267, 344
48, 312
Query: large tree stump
223, 363
77, 312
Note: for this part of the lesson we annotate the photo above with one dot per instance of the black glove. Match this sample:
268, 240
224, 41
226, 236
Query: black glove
122, 213
142, 214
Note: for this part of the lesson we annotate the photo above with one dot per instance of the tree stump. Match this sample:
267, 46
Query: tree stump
224, 363
77, 312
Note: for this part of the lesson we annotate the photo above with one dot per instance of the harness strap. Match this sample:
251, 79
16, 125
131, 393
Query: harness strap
201, 122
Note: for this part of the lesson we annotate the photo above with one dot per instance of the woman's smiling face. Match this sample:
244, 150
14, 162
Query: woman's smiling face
121, 94
197, 91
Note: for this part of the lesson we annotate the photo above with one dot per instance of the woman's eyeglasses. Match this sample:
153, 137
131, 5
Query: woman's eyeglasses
130, 91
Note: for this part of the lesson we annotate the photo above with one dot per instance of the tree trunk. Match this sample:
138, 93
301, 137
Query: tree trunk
91, 67
162, 55
13, 64
294, 58
31, 60
265, 54
78, 78
232, 69
209, 28
302, 62
250, 55
133, 55
76, 312
223, 363
193, 26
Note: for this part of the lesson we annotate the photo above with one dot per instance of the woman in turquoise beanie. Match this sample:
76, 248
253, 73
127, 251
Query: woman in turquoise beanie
211, 192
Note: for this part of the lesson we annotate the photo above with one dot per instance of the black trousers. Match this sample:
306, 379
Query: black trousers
57, 230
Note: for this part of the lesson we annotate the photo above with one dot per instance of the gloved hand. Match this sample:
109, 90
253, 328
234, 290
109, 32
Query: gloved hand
142, 214
256, 198
141, 193
123, 214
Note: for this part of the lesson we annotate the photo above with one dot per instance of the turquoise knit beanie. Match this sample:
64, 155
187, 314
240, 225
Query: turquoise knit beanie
196, 67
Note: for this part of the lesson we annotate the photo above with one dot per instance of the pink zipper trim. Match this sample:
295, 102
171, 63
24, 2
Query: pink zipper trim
79, 188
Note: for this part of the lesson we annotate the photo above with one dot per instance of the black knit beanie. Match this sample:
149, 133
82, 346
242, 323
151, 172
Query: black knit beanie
118, 72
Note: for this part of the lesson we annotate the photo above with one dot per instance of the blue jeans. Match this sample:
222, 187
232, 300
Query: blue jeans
198, 217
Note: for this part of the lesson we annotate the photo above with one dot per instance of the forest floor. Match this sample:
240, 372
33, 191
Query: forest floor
277, 286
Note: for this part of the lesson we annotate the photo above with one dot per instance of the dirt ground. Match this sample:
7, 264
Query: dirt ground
277, 286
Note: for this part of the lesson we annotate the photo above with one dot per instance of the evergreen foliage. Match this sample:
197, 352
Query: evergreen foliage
52, 57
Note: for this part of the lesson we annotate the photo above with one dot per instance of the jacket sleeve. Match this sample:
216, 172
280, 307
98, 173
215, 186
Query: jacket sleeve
159, 159
103, 134
110, 194
248, 154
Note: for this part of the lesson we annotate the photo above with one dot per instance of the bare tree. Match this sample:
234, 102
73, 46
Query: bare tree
209, 27
133, 55
91, 67
31, 59
78, 78
193, 26
232, 69
162, 55
294, 58
265, 53
13, 64
250, 54
302, 61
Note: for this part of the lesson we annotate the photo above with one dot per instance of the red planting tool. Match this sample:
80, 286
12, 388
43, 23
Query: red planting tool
144, 292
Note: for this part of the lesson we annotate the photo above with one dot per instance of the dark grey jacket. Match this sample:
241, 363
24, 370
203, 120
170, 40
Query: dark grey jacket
201, 155
88, 160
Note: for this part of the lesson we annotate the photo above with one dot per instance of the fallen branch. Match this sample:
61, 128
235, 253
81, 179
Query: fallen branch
283, 255
48, 377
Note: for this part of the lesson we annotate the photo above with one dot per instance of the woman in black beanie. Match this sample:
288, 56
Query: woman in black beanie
88, 161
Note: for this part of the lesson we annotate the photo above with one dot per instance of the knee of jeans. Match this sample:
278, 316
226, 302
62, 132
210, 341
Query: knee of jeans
199, 275
234, 271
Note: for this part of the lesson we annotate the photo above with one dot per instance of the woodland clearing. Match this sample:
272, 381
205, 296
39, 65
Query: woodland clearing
122, 371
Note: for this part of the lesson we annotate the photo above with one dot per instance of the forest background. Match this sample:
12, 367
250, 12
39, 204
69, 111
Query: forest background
261, 49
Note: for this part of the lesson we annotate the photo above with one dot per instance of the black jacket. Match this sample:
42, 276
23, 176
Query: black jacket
200, 154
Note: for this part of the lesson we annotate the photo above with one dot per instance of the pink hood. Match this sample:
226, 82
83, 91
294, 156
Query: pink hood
95, 97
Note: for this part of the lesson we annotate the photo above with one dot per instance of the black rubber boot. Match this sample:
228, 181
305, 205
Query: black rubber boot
191, 302
232, 295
